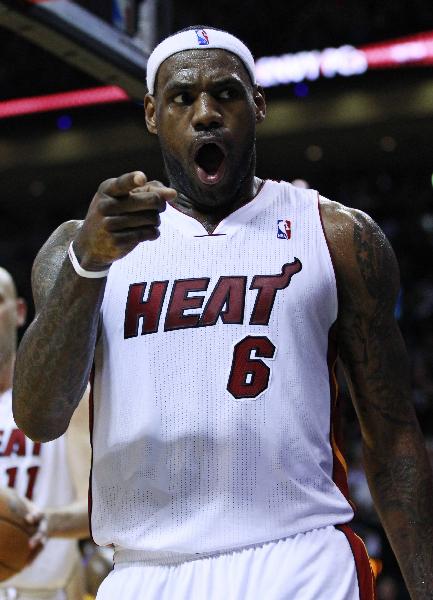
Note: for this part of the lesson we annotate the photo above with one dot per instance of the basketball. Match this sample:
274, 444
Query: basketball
14, 539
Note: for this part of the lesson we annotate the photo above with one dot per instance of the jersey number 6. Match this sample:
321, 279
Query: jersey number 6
249, 376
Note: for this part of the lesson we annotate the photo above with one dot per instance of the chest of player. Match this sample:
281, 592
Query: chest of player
192, 302
194, 324
180, 283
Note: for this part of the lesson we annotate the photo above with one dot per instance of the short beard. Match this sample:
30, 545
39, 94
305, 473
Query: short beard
179, 180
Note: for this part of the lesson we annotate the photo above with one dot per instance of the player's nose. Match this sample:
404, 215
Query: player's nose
207, 113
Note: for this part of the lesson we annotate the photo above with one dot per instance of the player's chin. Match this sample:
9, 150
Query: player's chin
214, 187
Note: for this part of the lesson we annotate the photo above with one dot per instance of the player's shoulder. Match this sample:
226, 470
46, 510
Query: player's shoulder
344, 225
359, 248
338, 215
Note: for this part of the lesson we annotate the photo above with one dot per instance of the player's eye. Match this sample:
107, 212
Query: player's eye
183, 98
225, 94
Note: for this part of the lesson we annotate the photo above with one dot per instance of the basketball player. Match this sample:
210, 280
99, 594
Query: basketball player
212, 311
47, 481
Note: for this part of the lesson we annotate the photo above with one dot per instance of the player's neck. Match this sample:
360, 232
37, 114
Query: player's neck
210, 217
6, 374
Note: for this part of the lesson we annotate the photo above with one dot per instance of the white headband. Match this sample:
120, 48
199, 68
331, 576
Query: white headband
197, 39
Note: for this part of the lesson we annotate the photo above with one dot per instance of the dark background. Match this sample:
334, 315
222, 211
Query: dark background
365, 141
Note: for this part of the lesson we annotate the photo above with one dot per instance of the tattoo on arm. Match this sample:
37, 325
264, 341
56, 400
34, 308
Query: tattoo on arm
48, 263
371, 261
55, 356
376, 363
371, 345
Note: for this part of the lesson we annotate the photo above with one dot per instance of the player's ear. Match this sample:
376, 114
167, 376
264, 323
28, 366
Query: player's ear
21, 311
150, 113
260, 102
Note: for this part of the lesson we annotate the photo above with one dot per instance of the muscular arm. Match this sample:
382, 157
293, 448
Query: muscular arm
376, 367
55, 356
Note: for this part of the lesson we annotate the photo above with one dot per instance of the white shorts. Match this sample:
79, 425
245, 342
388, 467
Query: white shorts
329, 563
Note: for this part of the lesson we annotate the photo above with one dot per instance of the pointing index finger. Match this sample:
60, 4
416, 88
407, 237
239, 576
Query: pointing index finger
120, 186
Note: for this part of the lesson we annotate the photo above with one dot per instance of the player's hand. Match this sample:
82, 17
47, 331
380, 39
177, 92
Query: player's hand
40, 537
30, 513
24, 509
123, 213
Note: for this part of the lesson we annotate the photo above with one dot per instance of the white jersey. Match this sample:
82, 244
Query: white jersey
214, 391
39, 472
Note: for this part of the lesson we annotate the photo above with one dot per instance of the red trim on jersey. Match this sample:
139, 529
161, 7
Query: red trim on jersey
339, 468
91, 418
366, 581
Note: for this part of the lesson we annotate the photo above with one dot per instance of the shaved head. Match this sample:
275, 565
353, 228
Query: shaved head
12, 316
7, 284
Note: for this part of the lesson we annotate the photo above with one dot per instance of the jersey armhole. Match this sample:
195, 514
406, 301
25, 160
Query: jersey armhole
329, 254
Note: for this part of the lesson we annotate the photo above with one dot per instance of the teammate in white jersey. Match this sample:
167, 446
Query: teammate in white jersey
213, 329
47, 481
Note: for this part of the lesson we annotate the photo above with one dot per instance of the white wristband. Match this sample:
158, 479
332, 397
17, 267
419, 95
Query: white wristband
82, 272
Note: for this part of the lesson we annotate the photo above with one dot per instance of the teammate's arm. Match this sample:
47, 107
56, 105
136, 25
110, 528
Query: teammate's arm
78, 447
72, 520
55, 356
376, 365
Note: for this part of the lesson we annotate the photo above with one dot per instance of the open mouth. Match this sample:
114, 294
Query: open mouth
210, 163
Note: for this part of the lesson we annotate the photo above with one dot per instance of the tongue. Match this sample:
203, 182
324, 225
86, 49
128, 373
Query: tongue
208, 178
210, 164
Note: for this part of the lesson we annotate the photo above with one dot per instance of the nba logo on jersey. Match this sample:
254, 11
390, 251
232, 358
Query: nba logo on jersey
202, 37
284, 229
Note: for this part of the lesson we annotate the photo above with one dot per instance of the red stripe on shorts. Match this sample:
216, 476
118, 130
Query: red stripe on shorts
366, 581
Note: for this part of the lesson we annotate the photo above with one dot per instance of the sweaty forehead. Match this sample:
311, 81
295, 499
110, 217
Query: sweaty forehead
195, 65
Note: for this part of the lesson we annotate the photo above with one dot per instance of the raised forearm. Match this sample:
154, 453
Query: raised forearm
401, 483
56, 354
